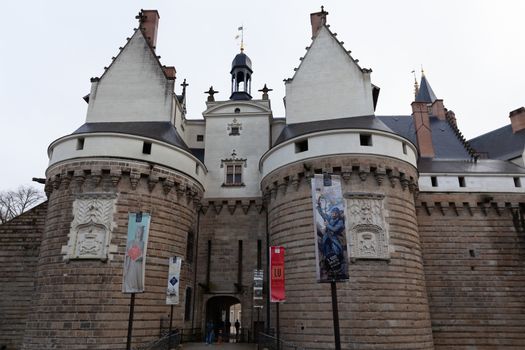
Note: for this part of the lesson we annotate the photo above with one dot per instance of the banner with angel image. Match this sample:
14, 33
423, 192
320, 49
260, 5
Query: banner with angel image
329, 225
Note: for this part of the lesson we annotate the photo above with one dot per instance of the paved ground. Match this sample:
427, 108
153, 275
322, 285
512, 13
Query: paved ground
215, 346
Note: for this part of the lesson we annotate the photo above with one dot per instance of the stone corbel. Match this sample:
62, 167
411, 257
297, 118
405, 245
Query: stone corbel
231, 207
134, 178
217, 207
115, 175
152, 182
167, 186
245, 204
295, 181
79, 177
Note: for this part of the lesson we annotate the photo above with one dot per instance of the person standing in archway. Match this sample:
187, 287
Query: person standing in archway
237, 326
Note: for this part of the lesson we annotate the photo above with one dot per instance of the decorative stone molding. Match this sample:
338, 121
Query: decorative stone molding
444, 208
91, 228
366, 226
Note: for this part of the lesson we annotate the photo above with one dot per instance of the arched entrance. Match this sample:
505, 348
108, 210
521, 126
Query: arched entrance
222, 311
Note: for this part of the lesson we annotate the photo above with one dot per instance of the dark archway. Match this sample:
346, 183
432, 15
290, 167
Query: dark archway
218, 311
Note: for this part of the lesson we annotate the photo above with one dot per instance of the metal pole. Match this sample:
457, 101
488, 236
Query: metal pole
171, 324
335, 311
277, 326
130, 322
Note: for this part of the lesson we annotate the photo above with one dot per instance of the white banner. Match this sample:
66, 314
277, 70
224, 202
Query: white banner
172, 293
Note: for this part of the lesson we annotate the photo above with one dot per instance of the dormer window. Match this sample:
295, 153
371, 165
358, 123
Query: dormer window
233, 174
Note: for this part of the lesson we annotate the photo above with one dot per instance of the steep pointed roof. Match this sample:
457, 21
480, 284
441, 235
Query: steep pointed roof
425, 94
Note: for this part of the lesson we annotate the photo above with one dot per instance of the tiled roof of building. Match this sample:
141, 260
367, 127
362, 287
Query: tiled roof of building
446, 143
456, 166
161, 131
501, 143
366, 122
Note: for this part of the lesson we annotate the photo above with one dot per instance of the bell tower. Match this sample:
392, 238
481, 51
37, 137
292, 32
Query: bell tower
241, 73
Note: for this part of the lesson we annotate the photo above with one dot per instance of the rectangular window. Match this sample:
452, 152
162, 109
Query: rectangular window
80, 143
365, 139
404, 148
461, 181
517, 182
187, 304
146, 148
234, 130
234, 174
434, 181
200, 138
301, 146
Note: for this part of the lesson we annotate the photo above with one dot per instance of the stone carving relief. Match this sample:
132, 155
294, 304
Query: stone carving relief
90, 232
366, 226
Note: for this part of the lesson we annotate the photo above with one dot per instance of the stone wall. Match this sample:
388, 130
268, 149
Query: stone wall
384, 304
224, 223
20, 241
78, 303
473, 250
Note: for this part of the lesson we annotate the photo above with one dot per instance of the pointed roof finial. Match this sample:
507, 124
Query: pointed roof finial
422, 71
322, 8
416, 85
184, 84
241, 29
211, 92
265, 91
425, 93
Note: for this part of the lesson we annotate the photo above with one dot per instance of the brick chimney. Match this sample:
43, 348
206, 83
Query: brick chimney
318, 19
423, 131
517, 119
438, 109
149, 23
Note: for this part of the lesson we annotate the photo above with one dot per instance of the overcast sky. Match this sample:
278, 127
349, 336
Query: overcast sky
472, 52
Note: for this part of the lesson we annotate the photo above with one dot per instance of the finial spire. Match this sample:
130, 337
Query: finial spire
422, 71
416, 85
241, 29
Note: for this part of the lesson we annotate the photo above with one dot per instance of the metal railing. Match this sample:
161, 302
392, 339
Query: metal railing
269, 342
165, 342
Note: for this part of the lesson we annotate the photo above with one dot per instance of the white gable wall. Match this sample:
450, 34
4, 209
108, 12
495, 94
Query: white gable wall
134, 88
328, 84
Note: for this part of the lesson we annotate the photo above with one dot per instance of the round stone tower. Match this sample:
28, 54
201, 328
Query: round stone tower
384, 302
127, 158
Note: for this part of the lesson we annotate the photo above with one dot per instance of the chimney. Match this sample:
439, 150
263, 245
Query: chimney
438, 110
149, 23
170, 72
318, 19
517, 119
423, 131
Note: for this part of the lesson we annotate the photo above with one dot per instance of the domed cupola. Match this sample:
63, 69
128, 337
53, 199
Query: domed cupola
241, 77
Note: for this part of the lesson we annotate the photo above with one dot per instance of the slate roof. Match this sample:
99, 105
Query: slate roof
482, 166
161, 131
291, 131
425, 94
446, 143
500, 143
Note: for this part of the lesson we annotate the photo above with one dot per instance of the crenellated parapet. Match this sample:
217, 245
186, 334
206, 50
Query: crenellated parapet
113, 175
233, 206
377, 170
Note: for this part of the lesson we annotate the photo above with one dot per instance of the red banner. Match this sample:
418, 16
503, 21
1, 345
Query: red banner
277, 274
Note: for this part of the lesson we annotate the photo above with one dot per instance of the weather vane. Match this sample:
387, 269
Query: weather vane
241, 35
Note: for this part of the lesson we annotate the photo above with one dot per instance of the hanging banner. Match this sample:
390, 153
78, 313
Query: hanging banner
172, 293
258, 276
277, 294
135, 259
329, 225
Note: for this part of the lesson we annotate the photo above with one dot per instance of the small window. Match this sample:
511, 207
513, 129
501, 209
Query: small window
365, 139
517, 182
237, 110
80, 143
301, 146
404, 148
197, 168
146, 148
234, 175
189, 247
434, 181
200, 138
461, 181
234, 130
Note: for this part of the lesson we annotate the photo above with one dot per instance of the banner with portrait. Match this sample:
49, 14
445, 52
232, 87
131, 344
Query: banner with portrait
331, 252
172, 293
135, 258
